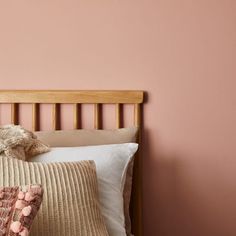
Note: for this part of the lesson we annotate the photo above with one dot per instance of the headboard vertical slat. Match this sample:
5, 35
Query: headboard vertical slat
118, 115
56, 116
15, 113
97, 116
35, 117
137, 115
77, 116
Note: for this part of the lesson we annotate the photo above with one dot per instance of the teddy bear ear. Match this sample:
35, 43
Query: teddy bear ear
20, 143
36, 148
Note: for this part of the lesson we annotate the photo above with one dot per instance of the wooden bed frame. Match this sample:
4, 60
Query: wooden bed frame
57, 97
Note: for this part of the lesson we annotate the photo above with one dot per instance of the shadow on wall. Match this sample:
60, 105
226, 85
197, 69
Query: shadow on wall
173, 206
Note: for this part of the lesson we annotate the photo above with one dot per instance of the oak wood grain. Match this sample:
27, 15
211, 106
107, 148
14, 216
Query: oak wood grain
70, 96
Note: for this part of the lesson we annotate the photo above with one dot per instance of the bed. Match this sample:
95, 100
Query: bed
75, 97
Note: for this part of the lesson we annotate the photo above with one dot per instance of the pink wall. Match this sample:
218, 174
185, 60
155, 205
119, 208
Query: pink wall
183, 54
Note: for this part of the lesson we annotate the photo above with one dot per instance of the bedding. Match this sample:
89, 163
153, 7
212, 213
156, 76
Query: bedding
70, 204
112, 162
18, 207
82, 137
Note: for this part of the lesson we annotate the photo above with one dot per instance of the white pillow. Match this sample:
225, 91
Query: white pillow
111, 164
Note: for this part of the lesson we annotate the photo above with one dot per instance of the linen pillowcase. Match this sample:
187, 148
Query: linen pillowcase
70, 205
82, 137
111, 163
18, 207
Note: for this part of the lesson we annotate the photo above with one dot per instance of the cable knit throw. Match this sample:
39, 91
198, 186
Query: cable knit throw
17, 142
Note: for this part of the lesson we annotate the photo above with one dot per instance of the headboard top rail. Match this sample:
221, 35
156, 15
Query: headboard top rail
71, 96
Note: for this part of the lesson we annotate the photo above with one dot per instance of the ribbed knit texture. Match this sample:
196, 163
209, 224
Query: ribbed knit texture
70, 203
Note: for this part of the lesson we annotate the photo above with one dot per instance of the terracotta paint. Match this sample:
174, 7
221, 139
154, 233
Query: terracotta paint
183, 54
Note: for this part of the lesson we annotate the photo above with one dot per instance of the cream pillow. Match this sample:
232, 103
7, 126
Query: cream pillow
70, 204
82, 137
111, 162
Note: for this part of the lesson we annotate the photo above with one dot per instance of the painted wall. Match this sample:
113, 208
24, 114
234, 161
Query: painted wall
183, 54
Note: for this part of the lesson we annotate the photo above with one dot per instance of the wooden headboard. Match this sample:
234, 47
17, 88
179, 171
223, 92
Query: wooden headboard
76, 97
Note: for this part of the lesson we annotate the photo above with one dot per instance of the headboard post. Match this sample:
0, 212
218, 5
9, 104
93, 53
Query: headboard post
137, 177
